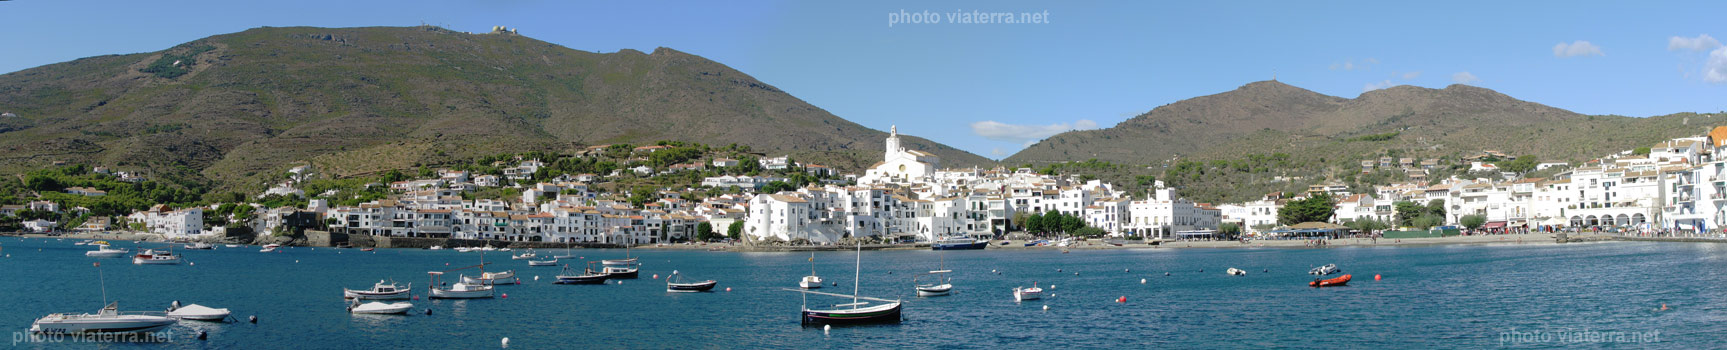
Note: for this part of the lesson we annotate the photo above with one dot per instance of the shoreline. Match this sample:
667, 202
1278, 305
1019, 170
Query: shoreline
1019, 245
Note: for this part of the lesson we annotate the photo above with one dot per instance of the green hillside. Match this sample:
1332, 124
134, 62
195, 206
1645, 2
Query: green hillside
229, 109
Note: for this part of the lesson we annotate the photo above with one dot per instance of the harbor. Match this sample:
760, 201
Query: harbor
1100, 298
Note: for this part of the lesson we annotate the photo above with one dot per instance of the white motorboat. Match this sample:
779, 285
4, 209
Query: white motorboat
553, 262
201, 246
154, 257
380, 291
1324, 270
492, 278
1023, 294
810, 282
931, 290
103, 251
436, 247
524, 256
197, 312
464, 249
269, 248
108, 320
462, 290
378, 308
231, 245
1235, 272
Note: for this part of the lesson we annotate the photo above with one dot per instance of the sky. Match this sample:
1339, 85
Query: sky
992, 87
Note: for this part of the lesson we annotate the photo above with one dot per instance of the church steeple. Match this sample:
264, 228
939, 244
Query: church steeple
892, 142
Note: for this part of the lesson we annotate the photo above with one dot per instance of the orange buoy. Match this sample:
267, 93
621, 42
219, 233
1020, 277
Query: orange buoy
1376, 277
1122, 299
506, 295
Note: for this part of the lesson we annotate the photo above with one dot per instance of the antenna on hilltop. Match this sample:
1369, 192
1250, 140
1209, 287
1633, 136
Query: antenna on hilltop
1274, 74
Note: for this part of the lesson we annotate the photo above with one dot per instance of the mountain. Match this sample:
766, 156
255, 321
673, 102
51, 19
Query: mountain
1271, 116
229, 108
1269, 136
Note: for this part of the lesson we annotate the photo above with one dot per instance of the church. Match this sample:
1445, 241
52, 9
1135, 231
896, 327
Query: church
900, 165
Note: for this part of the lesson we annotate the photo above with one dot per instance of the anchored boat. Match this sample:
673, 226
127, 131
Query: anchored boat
856, 312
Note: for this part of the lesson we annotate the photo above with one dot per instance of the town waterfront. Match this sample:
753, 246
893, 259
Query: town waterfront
1452, 296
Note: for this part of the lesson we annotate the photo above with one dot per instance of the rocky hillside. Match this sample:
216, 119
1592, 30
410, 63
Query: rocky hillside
228, 108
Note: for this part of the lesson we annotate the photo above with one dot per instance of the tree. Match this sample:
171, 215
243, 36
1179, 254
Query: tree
1426, 222
1366, 225
777, 187
1089, 232
1034, 223
1318, 207
1472, 221
1071, 224
394, 175
736, 230
704, 231
1229, 229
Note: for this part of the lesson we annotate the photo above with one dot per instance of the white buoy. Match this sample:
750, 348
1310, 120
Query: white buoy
1051, 286
296, 261
826, 328
191, 263
506, 342
1142, 281
1046, 308
536, 278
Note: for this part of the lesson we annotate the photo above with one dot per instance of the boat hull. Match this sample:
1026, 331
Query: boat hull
450, 294
936, 290
959, 246
702, 286
614, 272
370, 295
106, 253
138, 260
543, 263
1334, 282
593, 279
889, 313
810, 284
381, 309
1023, 295
128, 324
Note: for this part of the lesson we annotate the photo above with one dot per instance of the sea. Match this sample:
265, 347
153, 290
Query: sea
1590, 295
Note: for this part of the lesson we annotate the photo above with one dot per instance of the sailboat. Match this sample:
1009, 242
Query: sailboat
856, 312
567, 253
938, 284
628, 267
812, 281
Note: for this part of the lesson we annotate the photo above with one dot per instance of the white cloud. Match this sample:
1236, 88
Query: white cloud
1715, 71
1411, 75
1351, 65
1376, 86
1576, 48
1702, 42
1464, 78
998, 153
1026, 134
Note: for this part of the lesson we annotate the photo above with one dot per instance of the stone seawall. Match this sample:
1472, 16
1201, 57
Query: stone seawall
328, 239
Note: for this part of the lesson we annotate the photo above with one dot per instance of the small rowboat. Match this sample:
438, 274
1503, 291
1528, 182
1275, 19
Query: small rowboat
553, 262
673, 284
1339, 281
1236, 272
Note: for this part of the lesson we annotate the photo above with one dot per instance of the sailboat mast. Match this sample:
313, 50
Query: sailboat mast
856, 275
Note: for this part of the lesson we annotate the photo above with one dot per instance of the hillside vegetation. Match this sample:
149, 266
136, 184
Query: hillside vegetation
229, 110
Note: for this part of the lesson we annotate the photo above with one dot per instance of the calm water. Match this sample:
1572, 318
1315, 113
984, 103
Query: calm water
1431, 297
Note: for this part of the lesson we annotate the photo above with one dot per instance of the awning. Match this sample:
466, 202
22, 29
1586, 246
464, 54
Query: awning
1494, 224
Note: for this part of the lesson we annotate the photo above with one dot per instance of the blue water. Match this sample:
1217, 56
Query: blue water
1431, 297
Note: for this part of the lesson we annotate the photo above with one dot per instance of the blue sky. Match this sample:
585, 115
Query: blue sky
991, 88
